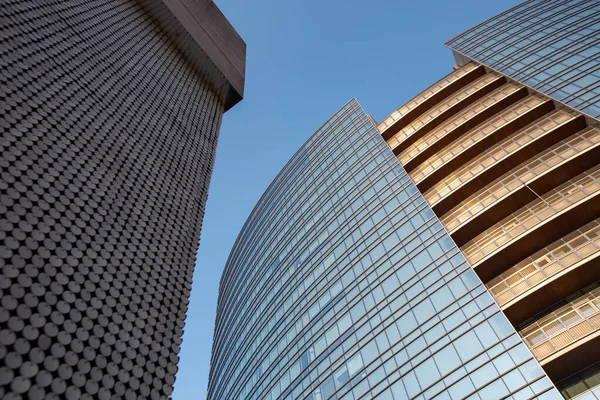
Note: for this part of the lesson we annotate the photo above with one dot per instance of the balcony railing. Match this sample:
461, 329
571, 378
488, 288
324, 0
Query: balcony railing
439, 108
426, 94
515, 179
496, 154
584, 384
568, 324
579, 245
474, 136
580, 188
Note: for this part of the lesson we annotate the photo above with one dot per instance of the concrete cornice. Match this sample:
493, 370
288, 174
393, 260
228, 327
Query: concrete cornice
207, 39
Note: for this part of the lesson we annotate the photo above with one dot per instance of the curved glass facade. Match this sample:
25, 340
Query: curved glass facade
343, 284
549, 45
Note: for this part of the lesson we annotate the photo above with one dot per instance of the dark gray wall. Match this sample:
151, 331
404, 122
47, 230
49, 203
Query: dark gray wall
209, 42
108, 135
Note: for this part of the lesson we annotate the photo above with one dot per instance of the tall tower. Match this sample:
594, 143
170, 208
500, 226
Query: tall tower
450, 251
109, 119
343, 283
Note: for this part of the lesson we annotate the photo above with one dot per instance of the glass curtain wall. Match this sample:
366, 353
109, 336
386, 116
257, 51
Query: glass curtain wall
343, 284
550, 45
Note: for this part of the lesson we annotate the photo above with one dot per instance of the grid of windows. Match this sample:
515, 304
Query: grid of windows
550, 45
343, 284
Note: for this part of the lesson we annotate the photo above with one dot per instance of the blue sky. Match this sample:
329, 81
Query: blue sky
305, 59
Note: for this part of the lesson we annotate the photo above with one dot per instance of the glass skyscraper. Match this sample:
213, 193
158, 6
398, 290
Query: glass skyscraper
361, 291
451, 251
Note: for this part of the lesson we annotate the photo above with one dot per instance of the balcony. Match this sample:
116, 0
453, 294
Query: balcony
449, 106
428, 98
583, 385
550, 275
501, 158
519, 186
536, 225
478, 140
567, 338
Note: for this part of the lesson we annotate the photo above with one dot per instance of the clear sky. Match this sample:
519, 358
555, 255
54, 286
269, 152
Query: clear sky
305, 59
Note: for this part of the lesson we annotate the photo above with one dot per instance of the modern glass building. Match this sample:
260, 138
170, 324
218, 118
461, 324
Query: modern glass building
450, 251
109, 119
550, 45
513, 177
344, 284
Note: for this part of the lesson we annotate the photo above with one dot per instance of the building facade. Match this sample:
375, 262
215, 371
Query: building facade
549, 45
344, 284
513, 176
110, 113
450, 251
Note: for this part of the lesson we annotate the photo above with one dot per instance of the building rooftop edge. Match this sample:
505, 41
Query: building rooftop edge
200, 30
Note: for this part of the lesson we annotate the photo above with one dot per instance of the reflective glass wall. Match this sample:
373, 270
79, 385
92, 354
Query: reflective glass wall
550, 45
343, 284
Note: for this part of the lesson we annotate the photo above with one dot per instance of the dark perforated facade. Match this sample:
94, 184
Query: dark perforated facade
108, 135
